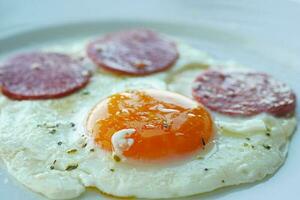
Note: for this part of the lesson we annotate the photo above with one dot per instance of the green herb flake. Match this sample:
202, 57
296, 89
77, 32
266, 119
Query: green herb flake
92, 150
72, 124
206, 169
48, 125
52, 131
112, 170
203, 141
223, 181
72, 151
268, 147
85, 92
248, 139
71, 167
165, 124
199, 157
84, 145
116, 158
52, 167
59, 143
268, 132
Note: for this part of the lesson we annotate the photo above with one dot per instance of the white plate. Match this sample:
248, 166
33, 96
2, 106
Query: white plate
260, 34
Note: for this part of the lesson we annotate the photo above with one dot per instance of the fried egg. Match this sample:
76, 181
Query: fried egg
57, 147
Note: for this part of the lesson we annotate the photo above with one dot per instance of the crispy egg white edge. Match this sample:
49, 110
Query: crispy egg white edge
29, 148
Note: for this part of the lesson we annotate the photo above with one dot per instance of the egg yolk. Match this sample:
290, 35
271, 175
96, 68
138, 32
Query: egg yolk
161, 125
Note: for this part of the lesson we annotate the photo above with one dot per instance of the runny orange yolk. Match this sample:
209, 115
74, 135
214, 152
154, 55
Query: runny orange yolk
163, 129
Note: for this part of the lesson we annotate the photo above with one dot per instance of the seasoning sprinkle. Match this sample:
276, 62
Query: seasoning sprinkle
52, 131
92, 150
71, 167
268, 147
72, 124
84, 145
85, 92
112, 170
48, 125
199, 157
223, 181
165, 124
59, 143
51, 167
205, 169
268, 132
116, 158
203, 141
71, 151
247, 138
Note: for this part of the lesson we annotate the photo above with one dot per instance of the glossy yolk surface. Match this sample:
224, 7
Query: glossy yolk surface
162, 129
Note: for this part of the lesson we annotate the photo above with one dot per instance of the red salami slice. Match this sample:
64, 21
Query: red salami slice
133, 52
240, 93
42, 76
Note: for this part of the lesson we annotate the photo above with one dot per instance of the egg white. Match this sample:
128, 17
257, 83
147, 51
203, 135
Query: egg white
60, 164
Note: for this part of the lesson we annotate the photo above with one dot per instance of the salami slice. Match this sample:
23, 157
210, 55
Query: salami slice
240, 93
41, 76
133, 52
